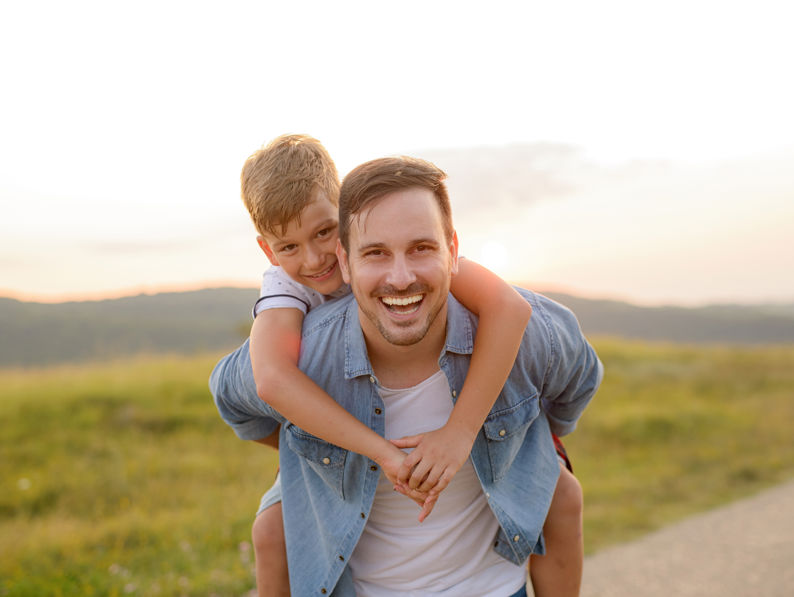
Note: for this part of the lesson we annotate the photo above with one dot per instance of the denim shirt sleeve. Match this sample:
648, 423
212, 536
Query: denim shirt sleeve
573, 371
234, 390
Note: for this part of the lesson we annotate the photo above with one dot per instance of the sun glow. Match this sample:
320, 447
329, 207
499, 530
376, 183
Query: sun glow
495, 256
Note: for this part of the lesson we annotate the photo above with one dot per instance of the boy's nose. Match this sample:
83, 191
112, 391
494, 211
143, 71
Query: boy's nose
314, 257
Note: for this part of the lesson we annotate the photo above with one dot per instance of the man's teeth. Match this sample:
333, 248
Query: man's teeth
401, 301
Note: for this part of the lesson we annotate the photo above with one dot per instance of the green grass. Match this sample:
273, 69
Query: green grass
676, 430
120, 479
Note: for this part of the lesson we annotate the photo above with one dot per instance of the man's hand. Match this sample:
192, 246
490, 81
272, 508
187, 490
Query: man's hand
390, 463
437, 457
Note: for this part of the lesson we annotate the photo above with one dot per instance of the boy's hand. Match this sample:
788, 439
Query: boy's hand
390, 464
437, 457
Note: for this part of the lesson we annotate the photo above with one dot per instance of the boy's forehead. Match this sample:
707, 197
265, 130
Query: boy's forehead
318, 212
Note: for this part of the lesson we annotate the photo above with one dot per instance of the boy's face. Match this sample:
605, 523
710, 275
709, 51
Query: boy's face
306, 251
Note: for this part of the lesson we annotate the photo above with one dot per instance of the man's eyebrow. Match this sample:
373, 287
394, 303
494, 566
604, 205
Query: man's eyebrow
414, 242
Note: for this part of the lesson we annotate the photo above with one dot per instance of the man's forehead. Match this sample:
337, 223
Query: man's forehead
412, 210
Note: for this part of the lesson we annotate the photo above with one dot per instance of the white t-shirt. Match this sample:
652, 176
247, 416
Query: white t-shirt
279, 291
451, 552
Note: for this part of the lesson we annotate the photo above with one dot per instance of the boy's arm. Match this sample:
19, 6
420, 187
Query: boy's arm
504, 315
275, 348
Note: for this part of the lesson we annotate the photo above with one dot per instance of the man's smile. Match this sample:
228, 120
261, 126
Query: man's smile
404, 305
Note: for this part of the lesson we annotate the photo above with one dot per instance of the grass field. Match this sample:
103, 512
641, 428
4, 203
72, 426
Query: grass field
120, 479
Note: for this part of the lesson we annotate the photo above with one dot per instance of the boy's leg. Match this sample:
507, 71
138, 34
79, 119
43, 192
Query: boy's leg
559, 572
270, 551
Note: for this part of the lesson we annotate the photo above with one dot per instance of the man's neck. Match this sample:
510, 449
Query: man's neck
405, 366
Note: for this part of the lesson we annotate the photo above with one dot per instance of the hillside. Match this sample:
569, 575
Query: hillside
180, 322
217, 319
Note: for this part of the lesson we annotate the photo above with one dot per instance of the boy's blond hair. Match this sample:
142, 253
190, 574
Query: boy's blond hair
278, 181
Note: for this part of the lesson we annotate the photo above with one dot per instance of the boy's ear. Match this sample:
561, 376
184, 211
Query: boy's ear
266, 248
453, 250
341, 258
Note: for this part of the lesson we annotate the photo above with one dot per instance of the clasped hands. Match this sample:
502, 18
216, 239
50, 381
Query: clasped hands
426, 471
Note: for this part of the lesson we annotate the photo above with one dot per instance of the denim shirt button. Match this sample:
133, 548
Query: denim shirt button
323, 591
516, 538
326, 460
502, 433
373, 468
378, 411
371, 379
454, 393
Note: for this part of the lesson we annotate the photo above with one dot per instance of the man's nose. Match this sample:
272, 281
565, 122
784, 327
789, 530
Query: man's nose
400, 274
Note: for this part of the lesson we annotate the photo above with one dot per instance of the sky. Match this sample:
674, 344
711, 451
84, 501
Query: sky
123, 128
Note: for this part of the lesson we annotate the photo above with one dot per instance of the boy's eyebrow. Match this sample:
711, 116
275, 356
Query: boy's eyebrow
327, 223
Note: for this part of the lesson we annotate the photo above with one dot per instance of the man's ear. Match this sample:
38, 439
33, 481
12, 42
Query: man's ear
266, 248
453, 250
341, 257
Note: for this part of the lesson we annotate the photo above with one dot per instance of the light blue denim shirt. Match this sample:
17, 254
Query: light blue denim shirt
328, 492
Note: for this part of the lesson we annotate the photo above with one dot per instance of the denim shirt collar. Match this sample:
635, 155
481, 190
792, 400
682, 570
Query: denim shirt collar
460, 337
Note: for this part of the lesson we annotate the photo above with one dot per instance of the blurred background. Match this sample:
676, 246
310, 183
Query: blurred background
635, 160
633, 150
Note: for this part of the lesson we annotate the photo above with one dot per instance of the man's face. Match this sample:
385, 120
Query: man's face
400, 265
307, 251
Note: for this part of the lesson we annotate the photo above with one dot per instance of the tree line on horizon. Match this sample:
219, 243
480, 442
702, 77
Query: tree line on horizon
37, 334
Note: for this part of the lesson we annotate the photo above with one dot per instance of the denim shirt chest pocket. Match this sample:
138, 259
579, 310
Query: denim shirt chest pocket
326, 460
505, 430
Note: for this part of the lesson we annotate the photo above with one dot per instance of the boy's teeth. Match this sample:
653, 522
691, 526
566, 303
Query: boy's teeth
402, 301
322, 273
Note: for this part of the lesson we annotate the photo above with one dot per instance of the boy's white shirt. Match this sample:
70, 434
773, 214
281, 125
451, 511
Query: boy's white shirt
279, 291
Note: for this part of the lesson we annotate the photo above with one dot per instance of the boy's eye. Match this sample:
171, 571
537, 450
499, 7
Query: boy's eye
288, 248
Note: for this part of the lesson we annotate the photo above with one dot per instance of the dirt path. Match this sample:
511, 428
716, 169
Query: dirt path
743, 549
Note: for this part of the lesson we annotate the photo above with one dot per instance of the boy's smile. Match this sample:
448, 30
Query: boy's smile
306, 249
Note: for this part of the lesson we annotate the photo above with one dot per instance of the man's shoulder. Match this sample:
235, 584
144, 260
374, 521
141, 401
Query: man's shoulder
324, 318
548, 310
550, 325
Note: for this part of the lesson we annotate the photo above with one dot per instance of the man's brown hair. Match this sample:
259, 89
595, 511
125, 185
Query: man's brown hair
278, 181
372, 180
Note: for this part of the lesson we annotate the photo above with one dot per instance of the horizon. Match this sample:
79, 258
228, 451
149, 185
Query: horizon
239, 285
585, 153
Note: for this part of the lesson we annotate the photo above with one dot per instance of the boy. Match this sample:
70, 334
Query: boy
290, 189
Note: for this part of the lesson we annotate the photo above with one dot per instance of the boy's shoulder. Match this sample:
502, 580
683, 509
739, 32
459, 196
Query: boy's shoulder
279, 290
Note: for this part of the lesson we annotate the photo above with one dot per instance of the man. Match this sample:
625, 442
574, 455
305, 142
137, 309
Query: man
395, 354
